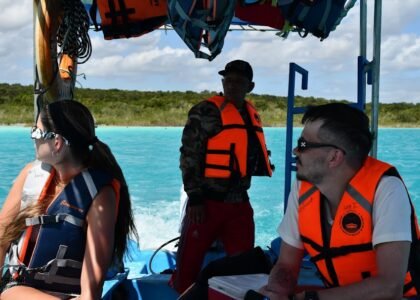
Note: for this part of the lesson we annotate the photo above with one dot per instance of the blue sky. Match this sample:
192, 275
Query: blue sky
161, 61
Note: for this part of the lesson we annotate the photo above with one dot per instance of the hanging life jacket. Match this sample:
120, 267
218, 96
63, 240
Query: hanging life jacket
202, 23
226, 154
318, 17
348, 256
50, 252
262, 13
128, 18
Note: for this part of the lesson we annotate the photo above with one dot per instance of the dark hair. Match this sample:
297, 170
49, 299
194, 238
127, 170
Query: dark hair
345, 126
75, 123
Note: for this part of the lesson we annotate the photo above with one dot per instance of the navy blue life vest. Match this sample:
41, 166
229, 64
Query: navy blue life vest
55, 262
318, 17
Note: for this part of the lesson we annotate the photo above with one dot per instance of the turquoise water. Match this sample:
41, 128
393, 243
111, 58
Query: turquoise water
149, 158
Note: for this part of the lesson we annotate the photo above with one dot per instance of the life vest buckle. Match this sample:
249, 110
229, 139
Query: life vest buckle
15, 275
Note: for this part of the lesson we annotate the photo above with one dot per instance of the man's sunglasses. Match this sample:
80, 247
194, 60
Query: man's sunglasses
303, 145
38, 134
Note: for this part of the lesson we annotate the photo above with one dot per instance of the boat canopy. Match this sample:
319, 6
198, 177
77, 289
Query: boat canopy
62, 28
61, 38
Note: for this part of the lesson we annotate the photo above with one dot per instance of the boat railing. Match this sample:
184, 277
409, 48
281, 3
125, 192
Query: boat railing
290, 160
368, 73
364, 77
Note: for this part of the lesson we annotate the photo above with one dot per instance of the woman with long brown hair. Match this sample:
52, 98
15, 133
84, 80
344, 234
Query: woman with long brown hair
68, 216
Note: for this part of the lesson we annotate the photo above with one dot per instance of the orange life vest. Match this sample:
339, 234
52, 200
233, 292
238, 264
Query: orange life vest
131, 18
226, 153
348, 256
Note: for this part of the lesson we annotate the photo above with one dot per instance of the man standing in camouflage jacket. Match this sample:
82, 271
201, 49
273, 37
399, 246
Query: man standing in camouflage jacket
223, 145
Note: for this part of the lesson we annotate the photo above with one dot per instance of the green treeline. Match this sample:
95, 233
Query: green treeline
136, 108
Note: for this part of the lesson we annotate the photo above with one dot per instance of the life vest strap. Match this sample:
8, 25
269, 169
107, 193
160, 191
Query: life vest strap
67, 263
48, 272
360, 199
46, 277
233, 161
53, 266
408, 287
314, 245
93, 191
341, 251
218, 151
198, 20
334, 251
53, 219
218, 167
56, 262
307, 194
240, 126
113, 14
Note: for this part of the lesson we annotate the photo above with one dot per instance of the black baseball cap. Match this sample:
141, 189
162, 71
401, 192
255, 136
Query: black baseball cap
238, 66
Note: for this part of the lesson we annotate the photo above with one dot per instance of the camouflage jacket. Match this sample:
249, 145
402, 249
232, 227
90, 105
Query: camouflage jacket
204, 121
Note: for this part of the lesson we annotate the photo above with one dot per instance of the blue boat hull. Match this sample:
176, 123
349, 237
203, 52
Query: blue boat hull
143, 280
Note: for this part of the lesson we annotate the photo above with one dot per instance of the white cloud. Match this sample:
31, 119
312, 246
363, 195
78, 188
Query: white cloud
401, 52
104, 48
15, 53
156, 60
15, 14
398, 14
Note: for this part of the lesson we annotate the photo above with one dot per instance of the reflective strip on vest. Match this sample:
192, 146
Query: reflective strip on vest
307, 194
46, 219
90, 184
362, 201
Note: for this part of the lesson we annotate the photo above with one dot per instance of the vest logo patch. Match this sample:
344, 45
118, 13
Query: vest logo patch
67, 204
351, 223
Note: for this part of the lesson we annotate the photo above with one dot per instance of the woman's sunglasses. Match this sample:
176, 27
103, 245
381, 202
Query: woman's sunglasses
303, 145
38, 134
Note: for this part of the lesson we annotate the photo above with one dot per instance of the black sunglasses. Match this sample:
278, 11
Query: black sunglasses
303, 145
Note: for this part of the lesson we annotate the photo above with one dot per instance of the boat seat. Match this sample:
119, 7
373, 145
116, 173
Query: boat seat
150, 287
112, 283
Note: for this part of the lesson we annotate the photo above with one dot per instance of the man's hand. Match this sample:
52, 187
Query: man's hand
272, 295
196, 213
280, 284
283, 276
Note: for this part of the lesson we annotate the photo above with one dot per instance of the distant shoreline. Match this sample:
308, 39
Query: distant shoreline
176, 126
123, 108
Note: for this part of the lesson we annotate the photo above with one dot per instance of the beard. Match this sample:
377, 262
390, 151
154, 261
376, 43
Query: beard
301, 177
313, 174
314, 178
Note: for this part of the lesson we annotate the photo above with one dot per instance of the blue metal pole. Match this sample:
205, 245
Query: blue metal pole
376, 74
291, 110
